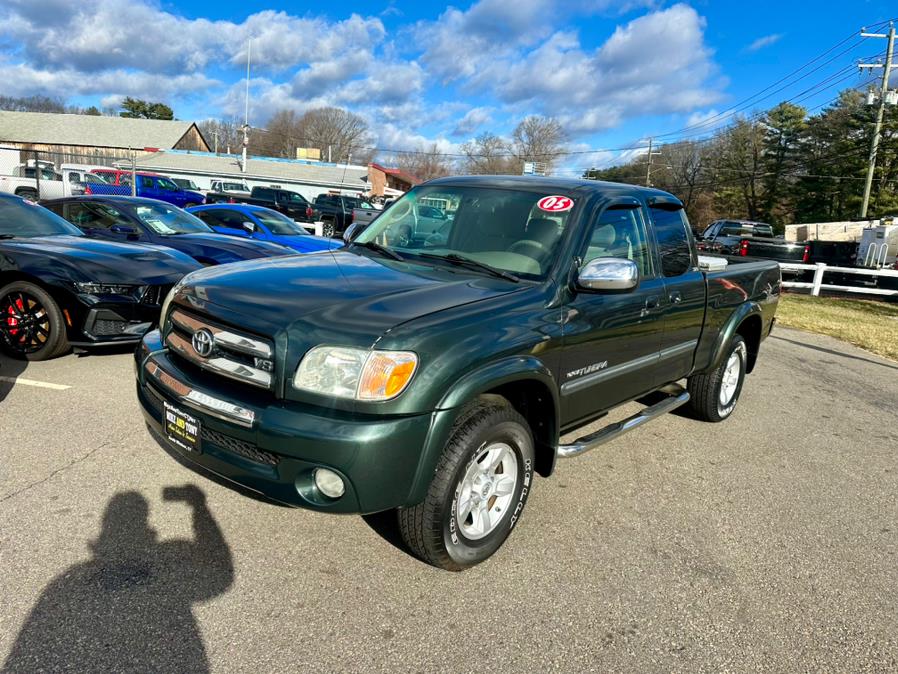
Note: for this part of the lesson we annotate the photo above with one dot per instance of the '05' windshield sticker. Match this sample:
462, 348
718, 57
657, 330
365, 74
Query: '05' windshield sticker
555, 204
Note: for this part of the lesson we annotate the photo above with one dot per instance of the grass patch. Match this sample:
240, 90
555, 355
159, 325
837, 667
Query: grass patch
870, 325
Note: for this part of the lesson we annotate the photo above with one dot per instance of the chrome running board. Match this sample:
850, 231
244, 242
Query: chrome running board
676, 397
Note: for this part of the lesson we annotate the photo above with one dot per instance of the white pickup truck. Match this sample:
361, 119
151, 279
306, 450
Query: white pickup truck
23, 180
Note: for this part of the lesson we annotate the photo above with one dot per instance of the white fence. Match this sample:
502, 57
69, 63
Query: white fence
820, 269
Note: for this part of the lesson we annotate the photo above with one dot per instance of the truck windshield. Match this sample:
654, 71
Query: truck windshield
279, 224
168, 220
25, 218
512, 230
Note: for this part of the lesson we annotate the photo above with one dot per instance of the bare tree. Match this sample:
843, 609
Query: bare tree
488, 154
338, 133
227, 132
538, 139
425, 164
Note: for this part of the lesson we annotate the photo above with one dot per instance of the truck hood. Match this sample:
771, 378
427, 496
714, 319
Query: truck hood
105, 261
332, 297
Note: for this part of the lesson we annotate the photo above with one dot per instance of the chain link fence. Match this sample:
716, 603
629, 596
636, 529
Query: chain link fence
53, 174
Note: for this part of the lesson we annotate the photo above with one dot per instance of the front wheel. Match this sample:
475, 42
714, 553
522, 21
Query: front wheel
713, 395
31, 324
479, 488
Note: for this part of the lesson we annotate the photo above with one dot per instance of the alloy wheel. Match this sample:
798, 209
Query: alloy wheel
486, 490
24, 322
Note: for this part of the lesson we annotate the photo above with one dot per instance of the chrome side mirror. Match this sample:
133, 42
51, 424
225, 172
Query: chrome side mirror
249, 227
351, 232
608, 273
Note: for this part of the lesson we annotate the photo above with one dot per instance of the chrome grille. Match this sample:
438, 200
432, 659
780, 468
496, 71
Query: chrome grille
231, 354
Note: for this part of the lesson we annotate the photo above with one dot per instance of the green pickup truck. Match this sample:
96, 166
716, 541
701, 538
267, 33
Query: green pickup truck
433, 371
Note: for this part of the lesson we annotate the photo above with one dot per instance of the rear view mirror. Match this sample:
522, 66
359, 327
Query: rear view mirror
608, 273
249, 227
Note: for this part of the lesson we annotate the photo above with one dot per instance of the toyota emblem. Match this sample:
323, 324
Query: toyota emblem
202, 342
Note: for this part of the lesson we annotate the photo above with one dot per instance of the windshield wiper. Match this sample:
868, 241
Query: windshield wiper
462, 261
383, 250
7, 236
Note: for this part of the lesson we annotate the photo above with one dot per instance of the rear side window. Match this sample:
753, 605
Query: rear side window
264, 193
672, 232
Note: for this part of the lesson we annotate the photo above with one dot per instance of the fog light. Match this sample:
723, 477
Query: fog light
329, 483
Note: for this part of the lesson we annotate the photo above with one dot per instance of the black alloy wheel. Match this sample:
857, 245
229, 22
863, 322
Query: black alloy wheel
31, 324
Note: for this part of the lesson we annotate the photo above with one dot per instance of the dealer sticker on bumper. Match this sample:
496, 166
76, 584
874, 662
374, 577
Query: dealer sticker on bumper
182, 429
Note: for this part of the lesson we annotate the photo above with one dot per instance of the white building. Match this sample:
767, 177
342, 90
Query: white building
309, 178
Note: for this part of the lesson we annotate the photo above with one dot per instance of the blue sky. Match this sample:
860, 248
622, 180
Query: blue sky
613, 73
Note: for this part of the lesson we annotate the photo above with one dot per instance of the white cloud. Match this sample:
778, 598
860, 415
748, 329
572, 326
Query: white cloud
765, 41
628, 76
472, 120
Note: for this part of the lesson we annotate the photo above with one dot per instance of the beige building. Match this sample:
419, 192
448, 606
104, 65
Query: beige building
91, 139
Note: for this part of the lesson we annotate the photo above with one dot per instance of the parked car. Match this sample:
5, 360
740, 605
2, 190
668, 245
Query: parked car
59, 289
335, 211
187, 184
754, 240
238, 187
437, 377
134, 219
261, 224
24, 182
291, 204
149, 185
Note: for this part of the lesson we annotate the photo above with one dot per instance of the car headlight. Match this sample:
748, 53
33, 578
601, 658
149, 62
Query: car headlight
360, 374
167, 302
90, 288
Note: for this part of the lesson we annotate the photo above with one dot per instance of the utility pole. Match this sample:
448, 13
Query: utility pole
883, 96
249, 53
648, 167
215, 135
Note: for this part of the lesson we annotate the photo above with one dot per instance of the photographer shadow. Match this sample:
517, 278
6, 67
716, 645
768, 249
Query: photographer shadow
129, 608
10, 370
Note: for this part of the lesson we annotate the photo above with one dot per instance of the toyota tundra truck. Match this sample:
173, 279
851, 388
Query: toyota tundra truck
434, 373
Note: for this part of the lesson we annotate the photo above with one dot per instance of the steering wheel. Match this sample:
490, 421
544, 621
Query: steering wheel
530, 245
403, 236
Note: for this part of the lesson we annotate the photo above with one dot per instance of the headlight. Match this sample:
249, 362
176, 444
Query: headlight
105, 289
167, 302
345, 372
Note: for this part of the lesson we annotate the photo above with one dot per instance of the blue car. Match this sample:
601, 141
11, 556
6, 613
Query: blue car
261, 224
140, 220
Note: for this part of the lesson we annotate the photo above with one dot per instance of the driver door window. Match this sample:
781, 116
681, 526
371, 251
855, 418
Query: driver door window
621, 232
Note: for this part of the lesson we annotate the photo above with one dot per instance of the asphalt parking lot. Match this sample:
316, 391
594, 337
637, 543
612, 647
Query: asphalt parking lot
768, 542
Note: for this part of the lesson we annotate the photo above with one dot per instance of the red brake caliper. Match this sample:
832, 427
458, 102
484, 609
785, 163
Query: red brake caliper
11, 321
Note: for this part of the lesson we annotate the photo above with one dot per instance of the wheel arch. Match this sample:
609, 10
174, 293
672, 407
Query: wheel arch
747, 322
528, 386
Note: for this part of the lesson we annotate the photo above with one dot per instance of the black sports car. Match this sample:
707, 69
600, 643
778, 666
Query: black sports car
60, 289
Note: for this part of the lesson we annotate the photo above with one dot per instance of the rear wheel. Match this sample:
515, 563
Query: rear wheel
478, 491
714, 394
31, 324
328, 229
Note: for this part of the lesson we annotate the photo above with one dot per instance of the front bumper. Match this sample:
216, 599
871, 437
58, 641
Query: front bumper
109, 321
273, 446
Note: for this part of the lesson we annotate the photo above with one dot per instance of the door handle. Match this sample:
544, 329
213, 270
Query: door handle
676, 297
652, 302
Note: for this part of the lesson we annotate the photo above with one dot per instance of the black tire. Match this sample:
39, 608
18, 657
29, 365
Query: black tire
431, 529
328, 229
705, 389
45, 336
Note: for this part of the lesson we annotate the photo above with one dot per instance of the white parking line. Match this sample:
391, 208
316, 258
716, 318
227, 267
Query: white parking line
32, 382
